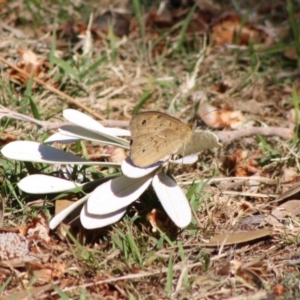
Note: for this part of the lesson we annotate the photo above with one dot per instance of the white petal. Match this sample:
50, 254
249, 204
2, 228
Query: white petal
186, 160
172, 199
44, 184
36, 152
82, 120
90, 221
119, 131
64, 213
59, 137
132, 171
116, 194
201, 140
84, 134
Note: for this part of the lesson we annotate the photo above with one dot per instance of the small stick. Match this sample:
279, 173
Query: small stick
229, 136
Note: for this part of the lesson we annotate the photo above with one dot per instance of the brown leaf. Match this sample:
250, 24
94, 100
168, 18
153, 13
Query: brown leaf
32, 64
231, 28
62, 230
43, 273
31, 292
272, 221
220, 118
237, 237
6, 138
289, 208
295, 189
250, 271
242, 164
39, 229
61, 204
117, 155
289, 175
220, 87
291, 53
279, 289
118, 22
159, 219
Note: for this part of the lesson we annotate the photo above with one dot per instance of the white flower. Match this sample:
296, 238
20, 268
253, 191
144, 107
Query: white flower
108, 202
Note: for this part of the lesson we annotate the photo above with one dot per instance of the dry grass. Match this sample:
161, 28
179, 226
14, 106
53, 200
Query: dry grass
128, 260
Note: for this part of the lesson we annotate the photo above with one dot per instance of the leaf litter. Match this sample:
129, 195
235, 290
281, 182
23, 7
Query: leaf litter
233, 250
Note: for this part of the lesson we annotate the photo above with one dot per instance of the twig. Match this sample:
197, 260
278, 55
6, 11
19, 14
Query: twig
46, 125
53, 89
229, 136
247, 194
235, 179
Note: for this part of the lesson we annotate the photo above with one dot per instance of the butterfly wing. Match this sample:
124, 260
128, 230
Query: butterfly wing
155, 135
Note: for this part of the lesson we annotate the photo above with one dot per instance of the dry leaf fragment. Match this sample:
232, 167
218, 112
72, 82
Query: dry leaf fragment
32, 292
289, 175
39, 229
279, 289
231, 28
289, 208
250, 272
32, 64
119, 23
238, 237
43, 273
159, 219
220, 87
220, 118
295, 189
241, 164
291, 53
272, 221
117, 155
6, 138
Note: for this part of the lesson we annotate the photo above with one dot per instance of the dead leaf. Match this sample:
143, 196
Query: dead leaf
43, 273
6, 138
61, 204
118, 22
237, 237
62, 230
289, 175
31, 292
272, 221
220, 87
220, 118
39, 229
289, 208
32, 64
250, 271
117, 155
291, 53
159, 219
231, 28
242, 164
295, 189
279, 289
